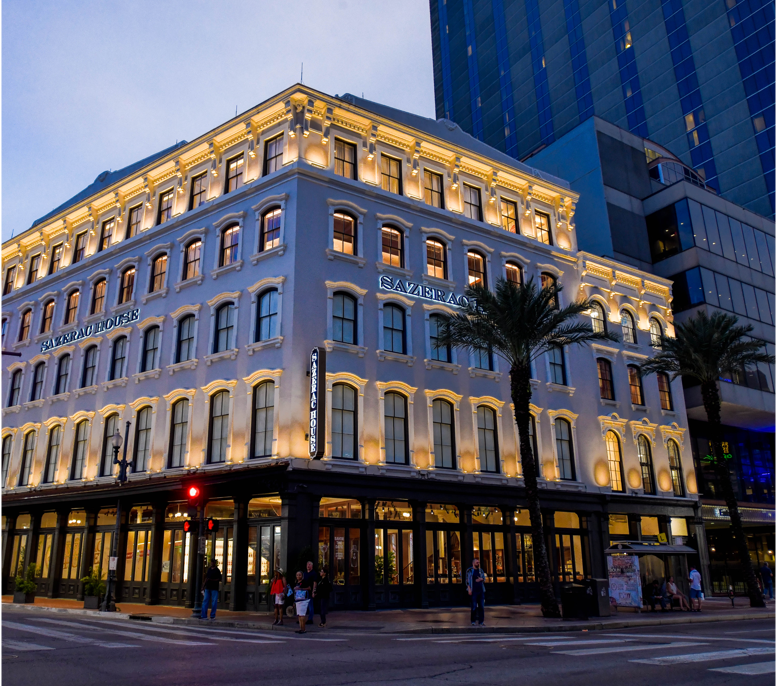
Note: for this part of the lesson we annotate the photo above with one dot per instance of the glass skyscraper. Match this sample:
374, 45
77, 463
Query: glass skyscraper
696, 76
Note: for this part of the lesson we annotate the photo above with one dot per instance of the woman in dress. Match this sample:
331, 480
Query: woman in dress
278, 593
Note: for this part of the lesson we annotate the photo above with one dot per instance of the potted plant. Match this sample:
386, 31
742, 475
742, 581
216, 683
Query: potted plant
94, 588
24, 591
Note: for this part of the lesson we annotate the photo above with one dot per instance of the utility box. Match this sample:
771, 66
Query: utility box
598, 597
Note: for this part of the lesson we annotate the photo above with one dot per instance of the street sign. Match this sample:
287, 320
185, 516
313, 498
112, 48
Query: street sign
662, 538
113, 564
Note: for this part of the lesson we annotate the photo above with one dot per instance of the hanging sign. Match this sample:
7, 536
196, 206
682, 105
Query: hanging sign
317, 430
92, 330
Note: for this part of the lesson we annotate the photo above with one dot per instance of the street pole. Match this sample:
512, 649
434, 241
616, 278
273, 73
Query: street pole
197, 610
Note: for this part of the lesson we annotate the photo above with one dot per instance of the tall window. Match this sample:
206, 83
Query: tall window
434, 189
605, 379
645, 460
392, 246
71, 308
557, 365
664, 386
393, 329
198, 191
142, 440
98, 296
628, 327
636, 390
675, 462
270, 229
230, 242
10, 280
111, 427
127, 285
224, 338
483, 359
509, 216
391, 174
263, 419
3, 330
79, 250
63, 374
184, 349
396, 439
565, 449
487, 439
119, 358
436, 259
151, 340
158, 273
343, 422
191, 259
79, 452
32, 276
542, 224
549, 281
14, 394
344, 233
444, 436
344, 318
219, 427
28, 455
273, 154
133, 225
164, 212
56, 259
7, 445
267, 320
598, 318
534, 446
234, 173
472, 204
655, 333
25, 324
344, 159
106, 234
476, 269
614, 457
47, 318
179, 431
36, 392
514, 273
89, 374
439, 351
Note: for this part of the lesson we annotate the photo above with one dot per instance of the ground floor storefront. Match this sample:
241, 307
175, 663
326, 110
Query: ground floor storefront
388, 542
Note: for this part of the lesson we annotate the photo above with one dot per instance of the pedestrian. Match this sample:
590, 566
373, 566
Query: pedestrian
303, 598
767, 576
210, 589
278, 594
475, 587
673, 592
311, 576
653, 596
696, 592
322, 592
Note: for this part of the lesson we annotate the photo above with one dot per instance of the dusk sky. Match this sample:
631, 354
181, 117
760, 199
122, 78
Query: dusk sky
90, 86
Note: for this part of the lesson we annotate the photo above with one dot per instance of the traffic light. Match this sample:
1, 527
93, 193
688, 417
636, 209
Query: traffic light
189, 525
211, 525
192, 493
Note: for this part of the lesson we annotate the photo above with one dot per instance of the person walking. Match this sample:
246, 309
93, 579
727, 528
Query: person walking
312, 577
767, 577
475, 587
303, 599
322, 593
210, 589
696, 591
673, 592
278, 594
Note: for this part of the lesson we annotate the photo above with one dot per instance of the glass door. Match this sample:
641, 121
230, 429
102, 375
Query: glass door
339, 550
223, 540
134, 587
176, 548
68, 586
264, 548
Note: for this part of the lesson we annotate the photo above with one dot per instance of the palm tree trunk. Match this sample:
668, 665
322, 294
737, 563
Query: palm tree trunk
712, 405
520, 382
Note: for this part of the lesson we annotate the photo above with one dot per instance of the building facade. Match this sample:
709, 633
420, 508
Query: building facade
696, 77
185, 294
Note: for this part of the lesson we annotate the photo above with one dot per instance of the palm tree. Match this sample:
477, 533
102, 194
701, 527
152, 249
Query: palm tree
519, 323
706, 349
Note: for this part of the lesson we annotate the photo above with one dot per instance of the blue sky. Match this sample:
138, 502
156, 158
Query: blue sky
90, 86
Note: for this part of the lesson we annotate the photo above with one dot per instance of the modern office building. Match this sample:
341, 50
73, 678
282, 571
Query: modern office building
186, 294
695, 77
641, 205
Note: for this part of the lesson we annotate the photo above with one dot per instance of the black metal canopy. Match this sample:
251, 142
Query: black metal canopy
642, 548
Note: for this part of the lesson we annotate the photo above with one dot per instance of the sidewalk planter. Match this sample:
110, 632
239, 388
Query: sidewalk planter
22, 597
91, 602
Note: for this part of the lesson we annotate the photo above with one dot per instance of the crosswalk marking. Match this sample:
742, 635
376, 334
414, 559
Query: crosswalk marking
625, 649
552, 644
562, 640
23, 647
273, 637
65, 636
688, 636
751, 669
705, 657
183, 631
134, 635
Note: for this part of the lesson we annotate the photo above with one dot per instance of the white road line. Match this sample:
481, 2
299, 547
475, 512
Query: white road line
686, 637
749, 631
65, 636
705, 657
134, 635
553, 644
568, 640
752, 669
506, 637
23, 647
625, 649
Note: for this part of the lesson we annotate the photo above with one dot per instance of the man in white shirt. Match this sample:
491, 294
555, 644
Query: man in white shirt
695, 589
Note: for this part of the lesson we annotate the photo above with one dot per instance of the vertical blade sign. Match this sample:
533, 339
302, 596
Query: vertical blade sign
317, 408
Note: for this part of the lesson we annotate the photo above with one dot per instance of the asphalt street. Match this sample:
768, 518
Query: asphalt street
42, 648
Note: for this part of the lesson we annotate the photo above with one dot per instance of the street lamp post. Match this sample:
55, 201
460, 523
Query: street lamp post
108, 605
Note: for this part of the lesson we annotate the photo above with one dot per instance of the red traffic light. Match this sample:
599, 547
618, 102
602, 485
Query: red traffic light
188, 525
193, 492
212, 525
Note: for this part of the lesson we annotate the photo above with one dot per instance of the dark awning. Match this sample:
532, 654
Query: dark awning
641, 548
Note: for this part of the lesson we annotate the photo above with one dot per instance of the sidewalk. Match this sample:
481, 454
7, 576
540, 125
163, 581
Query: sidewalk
499, 619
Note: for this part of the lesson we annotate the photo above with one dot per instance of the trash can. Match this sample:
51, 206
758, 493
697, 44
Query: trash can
574, 601
598, 597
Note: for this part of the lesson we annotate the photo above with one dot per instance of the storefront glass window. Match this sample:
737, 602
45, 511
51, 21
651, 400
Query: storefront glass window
393, 510
443, 514
618, 525
176, 512
252, 537
678, 526
486, 515
47, 521
522, 518
143, 514
260, 508
566, 520
106, 517
340, 508
649, 526
220, 509
23, 522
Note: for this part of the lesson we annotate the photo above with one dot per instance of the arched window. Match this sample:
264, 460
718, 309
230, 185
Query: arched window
111, 428
393, 329
118, 363
24, 325
28, 454
263, 419
476, 269
439, 351
151, 339
344, 233
514, 274
344, 318
565, 448
614, 457
628, 327
219, 427
224, 338
396, 437
142, 440
343, 422
675, 462
605, 379
191, 259
270, 229
557, 365
487, 438
52, 454
444, 434
549, 281
664, 386
179, 432
267, 316
63, 374
436, 259
98, 296
655, 333
393, 244
127, 285
48, 317
89, 372
636, 390
14, 394
79, 450
230, 243
7, 446
71, 309
36, 392
184, 348
158, 273
598, 318
645, 460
